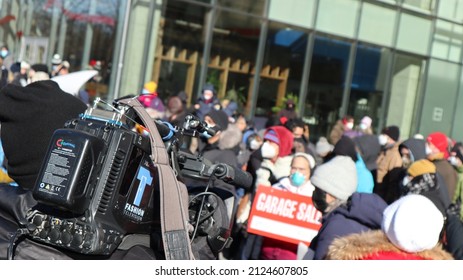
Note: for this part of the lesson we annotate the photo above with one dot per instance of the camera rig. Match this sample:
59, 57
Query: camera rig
104, 186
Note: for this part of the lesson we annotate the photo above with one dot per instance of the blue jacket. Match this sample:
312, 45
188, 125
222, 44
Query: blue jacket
364, 176
363, 211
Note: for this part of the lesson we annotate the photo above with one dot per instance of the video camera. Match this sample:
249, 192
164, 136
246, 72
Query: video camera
99, 189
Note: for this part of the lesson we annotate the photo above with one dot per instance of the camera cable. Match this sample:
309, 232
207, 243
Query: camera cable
19, 232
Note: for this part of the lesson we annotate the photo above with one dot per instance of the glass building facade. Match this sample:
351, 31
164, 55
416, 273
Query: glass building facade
397, 61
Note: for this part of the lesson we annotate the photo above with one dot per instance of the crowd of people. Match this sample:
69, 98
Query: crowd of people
377, 196
404, 194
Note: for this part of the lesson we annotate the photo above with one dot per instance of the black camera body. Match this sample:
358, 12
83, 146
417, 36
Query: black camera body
97, 186
105, 185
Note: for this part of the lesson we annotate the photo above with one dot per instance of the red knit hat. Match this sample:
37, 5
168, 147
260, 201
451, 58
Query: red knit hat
439, 140
281, 136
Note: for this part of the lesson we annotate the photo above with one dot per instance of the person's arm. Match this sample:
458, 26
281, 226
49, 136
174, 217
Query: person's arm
454, 235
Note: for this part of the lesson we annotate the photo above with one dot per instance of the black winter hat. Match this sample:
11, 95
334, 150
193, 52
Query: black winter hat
219, 117
346, 147
40, 67
29, 116
392, 131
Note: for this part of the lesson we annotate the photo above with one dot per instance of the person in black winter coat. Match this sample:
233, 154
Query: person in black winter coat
344, 211
207, 101
454, 232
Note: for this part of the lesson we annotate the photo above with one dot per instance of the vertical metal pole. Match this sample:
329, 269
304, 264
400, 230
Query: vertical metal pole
208, 36
53, 30
147, 46
350, 66
62, 30
118, 58
259, 60
307, 62
30, 12
389, 75
88, 37
3, 11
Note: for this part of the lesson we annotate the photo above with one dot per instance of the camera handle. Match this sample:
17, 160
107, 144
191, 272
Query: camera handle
200, 168
173, 193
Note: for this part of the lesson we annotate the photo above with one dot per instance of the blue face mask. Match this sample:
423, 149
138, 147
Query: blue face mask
3, 53
205, 135
297, 179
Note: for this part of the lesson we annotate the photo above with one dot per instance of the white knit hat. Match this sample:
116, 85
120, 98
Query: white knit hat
338, 177
308, 157
323, 147
413, 223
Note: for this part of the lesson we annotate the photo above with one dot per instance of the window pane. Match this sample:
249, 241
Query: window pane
404, 95
420, 5
368, 81
414, 34
233, 53
73, 21
451, 9
284, 53
296, 12
326, 83
376, 18
440, 97
255, 7
447, 41
182, 45
338, 17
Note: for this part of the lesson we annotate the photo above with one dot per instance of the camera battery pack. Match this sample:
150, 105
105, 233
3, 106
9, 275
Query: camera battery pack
65, 179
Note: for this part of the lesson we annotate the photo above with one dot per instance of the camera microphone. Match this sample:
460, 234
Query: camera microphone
233, 175
166, 130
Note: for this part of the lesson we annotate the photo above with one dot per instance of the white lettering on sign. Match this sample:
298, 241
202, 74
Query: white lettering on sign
276, 206
287, 208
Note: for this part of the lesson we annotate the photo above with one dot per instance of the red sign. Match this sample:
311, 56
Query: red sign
284, 216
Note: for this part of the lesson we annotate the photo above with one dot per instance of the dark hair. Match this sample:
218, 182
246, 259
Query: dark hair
296, 122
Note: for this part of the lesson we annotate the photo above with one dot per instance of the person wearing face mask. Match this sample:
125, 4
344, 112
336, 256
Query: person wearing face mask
411, 150
344, 126
437, 152
297, 182
389, 163
252, 143
421, 178
266, 165
276, 153
223, 147
6, 57
344, 210
207, 101
365, 125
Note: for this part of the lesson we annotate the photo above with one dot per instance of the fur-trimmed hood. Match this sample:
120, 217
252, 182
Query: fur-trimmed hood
374, 245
